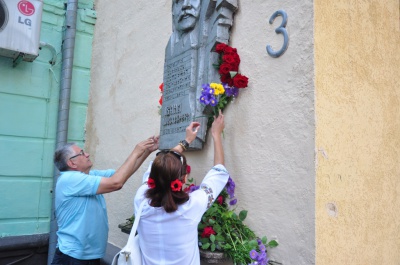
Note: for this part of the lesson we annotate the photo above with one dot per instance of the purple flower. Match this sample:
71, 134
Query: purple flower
193, 188
230, 188
262, 247
230, 91
207, 96
213, 101
253, 254
233, 202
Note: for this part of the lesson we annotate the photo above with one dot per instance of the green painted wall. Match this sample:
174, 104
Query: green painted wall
28, 117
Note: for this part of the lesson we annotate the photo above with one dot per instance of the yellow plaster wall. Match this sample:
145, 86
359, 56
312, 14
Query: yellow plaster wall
357, 69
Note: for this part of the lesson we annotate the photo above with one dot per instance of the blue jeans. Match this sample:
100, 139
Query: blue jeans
62, 259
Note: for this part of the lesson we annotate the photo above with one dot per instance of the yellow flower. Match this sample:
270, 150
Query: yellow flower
218, 88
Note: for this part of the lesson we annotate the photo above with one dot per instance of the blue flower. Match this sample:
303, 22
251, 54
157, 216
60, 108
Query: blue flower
253, 254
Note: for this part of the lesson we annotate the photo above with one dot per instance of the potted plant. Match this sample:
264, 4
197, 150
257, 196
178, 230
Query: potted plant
222, 230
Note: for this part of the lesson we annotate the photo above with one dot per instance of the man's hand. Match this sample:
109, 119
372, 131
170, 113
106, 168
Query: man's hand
155, 145
141, 147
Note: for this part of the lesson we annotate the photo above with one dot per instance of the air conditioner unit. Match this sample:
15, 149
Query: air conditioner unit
20, 22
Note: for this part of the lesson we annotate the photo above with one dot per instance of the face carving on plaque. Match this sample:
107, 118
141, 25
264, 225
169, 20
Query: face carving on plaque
185, 14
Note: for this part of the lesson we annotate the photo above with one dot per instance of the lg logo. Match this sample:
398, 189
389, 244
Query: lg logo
27, 9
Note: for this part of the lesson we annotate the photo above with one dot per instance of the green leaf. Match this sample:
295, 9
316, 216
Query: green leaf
204, 240
205, 246
212, 238
264, 240
219, 238
253, 243
242, 215
232, 74
212, 247
273, 243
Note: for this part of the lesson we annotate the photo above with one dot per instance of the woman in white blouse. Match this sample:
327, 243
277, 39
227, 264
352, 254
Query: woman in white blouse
169, 219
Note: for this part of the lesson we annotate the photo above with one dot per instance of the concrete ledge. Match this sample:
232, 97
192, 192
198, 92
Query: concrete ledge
24, 250
21, 242
110, 253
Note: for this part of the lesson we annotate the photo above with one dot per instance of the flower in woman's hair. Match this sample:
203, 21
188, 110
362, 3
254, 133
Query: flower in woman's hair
208, 231
150, 183
176, 185
188, 169
240, 81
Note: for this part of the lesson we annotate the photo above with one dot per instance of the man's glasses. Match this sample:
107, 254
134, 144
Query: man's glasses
176, 154
81, 153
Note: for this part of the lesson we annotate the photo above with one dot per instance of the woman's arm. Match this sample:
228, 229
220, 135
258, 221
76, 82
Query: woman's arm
216, 131
191, 133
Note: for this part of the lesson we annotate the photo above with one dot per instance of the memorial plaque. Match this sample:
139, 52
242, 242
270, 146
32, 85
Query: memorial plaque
197, 27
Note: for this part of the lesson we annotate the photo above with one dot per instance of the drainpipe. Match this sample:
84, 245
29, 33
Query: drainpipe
63, 107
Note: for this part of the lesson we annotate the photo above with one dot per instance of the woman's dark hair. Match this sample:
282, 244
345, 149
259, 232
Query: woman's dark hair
167, 167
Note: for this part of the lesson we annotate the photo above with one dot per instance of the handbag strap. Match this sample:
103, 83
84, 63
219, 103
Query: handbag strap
136, 222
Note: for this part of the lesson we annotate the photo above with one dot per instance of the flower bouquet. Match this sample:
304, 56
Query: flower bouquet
216, 96
222, 229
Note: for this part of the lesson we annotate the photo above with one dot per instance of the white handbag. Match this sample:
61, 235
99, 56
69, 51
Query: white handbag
131, 254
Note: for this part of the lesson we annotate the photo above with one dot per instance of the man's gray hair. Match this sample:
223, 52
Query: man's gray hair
61, 156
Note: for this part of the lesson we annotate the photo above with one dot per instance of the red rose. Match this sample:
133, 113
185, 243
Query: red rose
208, 231
240, 81
220, 200
161, 87
228, 58
227, 79
224, 69
188, 169
220, 47
236, 58
229, 50
160, 101
234, 67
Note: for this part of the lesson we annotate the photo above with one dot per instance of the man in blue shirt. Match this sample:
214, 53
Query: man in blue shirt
80, 206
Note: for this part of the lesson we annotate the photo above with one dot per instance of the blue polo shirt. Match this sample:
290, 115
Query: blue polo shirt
81, 214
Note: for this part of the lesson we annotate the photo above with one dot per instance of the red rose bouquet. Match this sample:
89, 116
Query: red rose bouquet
216, 96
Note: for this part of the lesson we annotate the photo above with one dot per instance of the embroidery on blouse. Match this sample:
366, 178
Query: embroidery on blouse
209, 193
220, 170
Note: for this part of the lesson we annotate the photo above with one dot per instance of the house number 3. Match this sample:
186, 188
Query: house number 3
279, 30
